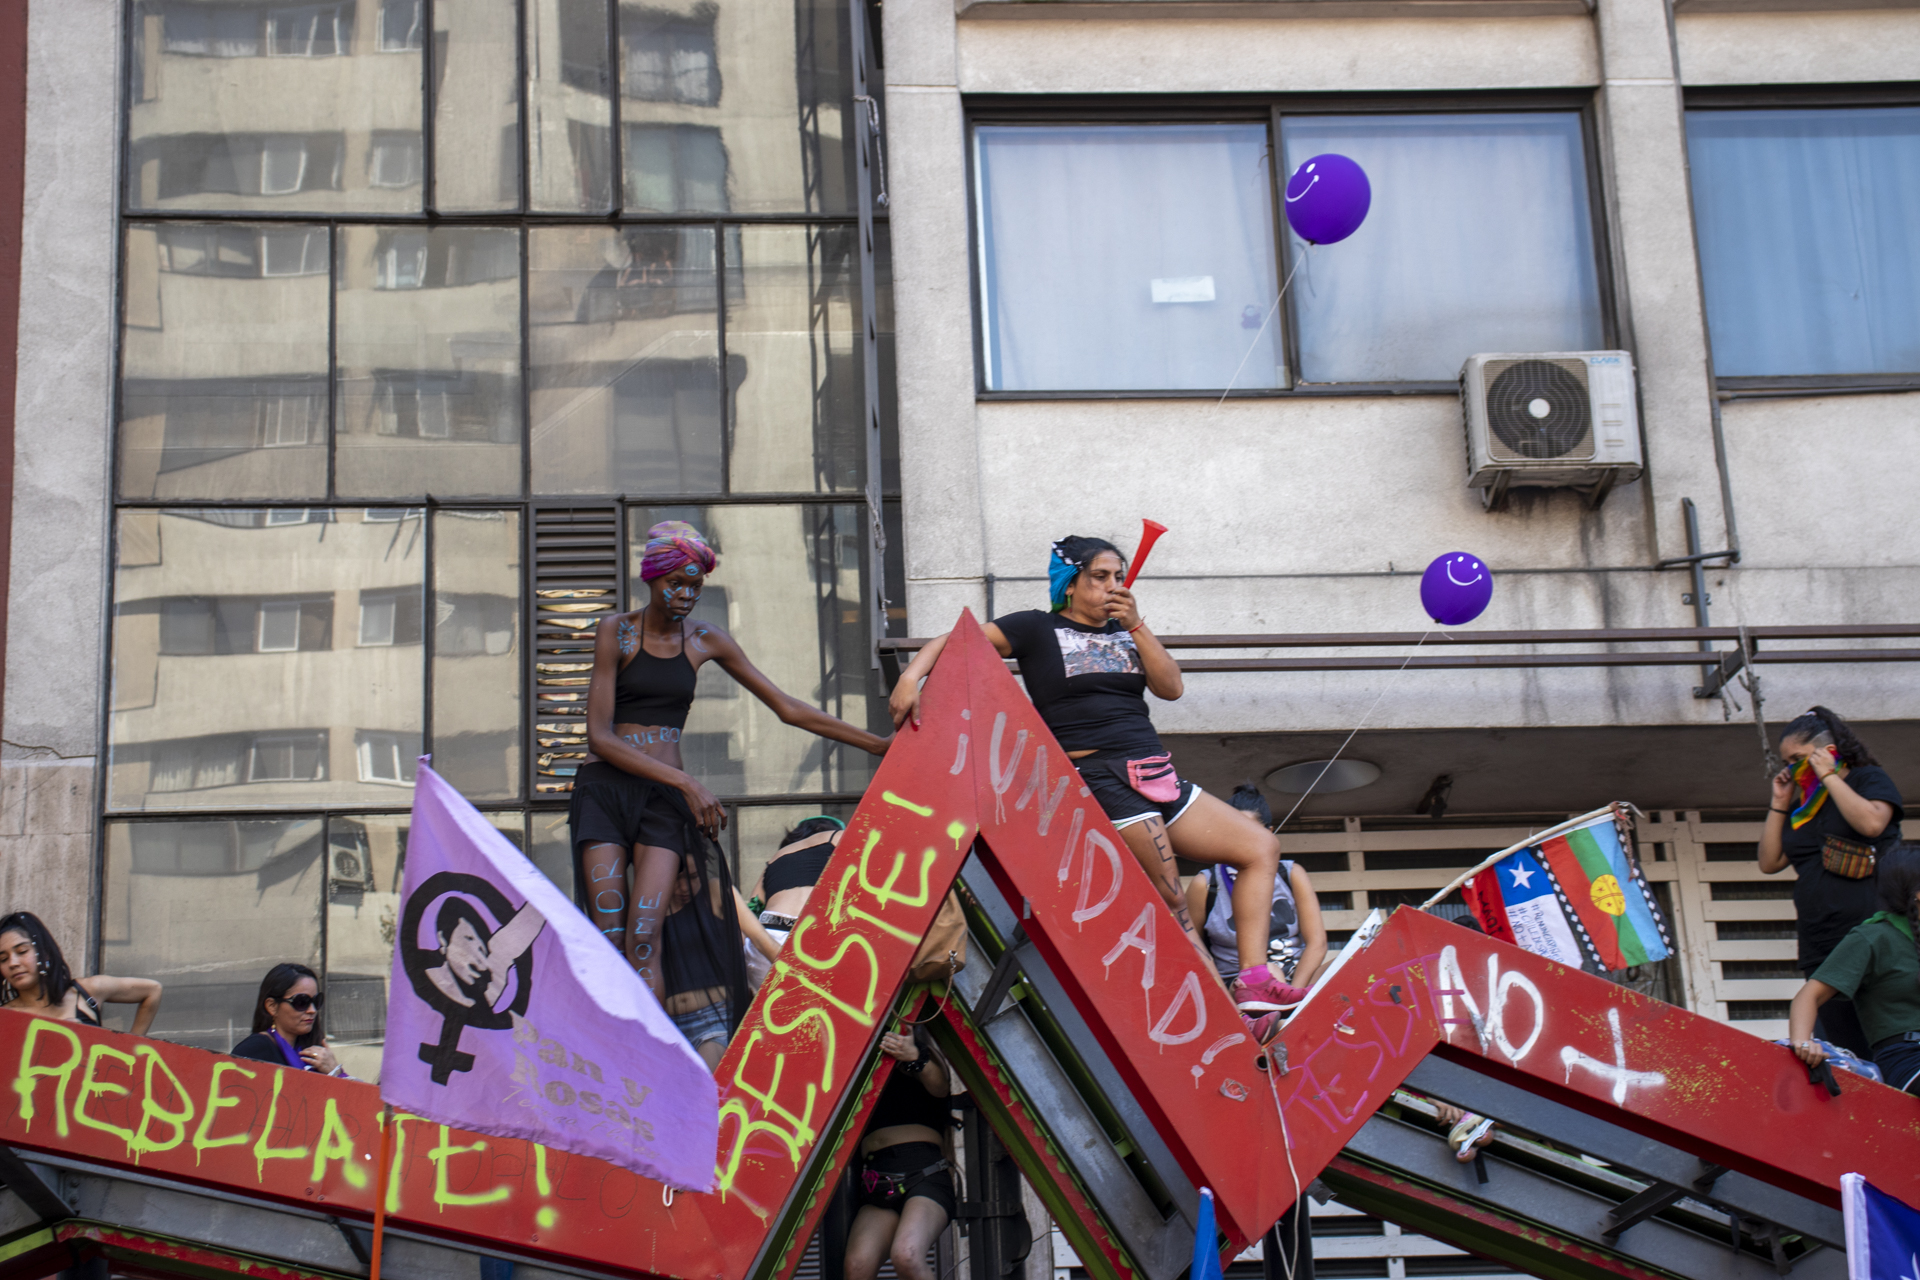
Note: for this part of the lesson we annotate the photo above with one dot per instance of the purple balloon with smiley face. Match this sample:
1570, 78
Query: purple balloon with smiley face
1328, 198
1455, 588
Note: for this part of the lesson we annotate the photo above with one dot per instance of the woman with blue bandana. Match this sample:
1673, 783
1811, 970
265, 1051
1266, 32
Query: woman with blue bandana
1088, 663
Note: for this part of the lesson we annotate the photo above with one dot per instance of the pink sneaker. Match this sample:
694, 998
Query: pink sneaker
1256, 990
1264, 1026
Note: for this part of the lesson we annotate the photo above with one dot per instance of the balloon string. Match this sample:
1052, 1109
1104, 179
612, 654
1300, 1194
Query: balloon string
1264, 323
1356, 730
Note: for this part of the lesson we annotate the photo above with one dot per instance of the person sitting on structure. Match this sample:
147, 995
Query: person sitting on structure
1296, 938
1832, 810
286, 1023
1088, 664
37, 980
1877, 966
906, 1194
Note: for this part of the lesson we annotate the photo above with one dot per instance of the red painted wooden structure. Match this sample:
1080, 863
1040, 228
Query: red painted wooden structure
980, 774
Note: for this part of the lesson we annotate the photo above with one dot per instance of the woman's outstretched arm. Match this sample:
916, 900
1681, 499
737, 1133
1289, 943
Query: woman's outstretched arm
791, 710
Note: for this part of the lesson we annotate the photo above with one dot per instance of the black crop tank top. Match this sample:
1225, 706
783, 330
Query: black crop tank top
655, 691
905, 1100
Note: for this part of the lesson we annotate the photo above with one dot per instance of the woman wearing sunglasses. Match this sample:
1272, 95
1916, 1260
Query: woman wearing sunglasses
286, 1023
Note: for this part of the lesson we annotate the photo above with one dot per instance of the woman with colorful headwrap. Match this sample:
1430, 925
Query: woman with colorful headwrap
1832, 812
1088, 663
635, 806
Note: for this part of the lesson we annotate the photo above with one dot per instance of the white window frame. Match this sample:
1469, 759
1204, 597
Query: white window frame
313, 250
267, 145
374, 749
408, 148
408, 42
278, 609
292, 742
371, 608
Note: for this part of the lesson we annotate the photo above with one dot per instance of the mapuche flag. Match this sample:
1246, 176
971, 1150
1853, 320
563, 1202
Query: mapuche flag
509, 1014
1576, 897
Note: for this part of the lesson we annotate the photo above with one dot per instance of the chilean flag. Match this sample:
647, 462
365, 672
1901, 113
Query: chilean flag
1576, 897
1883, 1234
1515, 901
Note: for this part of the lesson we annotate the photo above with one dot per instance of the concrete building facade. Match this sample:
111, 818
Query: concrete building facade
327, 310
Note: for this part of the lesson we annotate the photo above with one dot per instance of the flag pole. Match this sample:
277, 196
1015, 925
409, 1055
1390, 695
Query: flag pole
1534, 839
380, 1192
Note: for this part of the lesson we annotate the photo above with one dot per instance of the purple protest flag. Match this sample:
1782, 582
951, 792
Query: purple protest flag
510, 1015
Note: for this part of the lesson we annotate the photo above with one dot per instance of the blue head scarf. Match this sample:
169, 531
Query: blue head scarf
1060, 575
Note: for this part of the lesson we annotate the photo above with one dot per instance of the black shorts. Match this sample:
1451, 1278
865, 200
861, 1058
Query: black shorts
909, 1159
1105, 773
611, 806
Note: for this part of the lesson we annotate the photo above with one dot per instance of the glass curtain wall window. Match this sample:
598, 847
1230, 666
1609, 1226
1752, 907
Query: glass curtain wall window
1144, 257
341, 421
1809, 227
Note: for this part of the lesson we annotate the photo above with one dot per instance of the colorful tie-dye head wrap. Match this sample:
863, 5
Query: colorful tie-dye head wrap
672, 543
1060, 575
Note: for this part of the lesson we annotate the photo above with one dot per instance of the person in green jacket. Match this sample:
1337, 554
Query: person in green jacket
1877, 966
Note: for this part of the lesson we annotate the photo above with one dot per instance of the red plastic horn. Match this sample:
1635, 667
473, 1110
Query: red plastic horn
1150, 531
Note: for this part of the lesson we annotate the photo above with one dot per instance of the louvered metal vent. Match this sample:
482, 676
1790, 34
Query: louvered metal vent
576, 569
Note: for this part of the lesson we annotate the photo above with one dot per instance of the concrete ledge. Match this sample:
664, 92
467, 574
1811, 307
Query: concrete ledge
1787, 6
1192, 9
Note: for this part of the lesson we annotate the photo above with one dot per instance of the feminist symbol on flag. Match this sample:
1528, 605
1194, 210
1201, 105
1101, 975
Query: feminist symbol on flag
478, 971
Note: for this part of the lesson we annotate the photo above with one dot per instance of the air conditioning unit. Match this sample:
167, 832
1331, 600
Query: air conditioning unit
349, 867
1562, 419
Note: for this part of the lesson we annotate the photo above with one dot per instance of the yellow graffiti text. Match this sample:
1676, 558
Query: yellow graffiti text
216, 1103
263, 1148
883, 893
443, 1193
796, 945
907, 804
828, 1038
23, 1080
151, 1111
89, 1087
336, 1144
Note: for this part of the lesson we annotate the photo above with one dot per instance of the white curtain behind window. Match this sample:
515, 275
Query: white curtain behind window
1083, 228
1809, 229
1479, 240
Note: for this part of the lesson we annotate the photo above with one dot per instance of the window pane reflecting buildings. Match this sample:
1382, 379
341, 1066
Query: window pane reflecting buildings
344, 423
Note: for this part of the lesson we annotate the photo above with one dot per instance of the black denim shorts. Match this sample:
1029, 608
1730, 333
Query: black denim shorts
1105, 773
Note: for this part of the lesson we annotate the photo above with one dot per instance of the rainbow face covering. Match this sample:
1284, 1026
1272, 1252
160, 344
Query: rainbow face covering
1813, 792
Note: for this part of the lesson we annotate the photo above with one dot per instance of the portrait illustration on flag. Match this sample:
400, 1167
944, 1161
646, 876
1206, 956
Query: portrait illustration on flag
510, 1014
1574, 894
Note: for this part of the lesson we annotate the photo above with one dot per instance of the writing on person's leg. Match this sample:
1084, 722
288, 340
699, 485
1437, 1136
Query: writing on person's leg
604, 872
1154, 852
654, 871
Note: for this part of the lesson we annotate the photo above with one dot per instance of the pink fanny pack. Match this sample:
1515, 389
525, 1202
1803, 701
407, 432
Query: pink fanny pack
1154, 778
